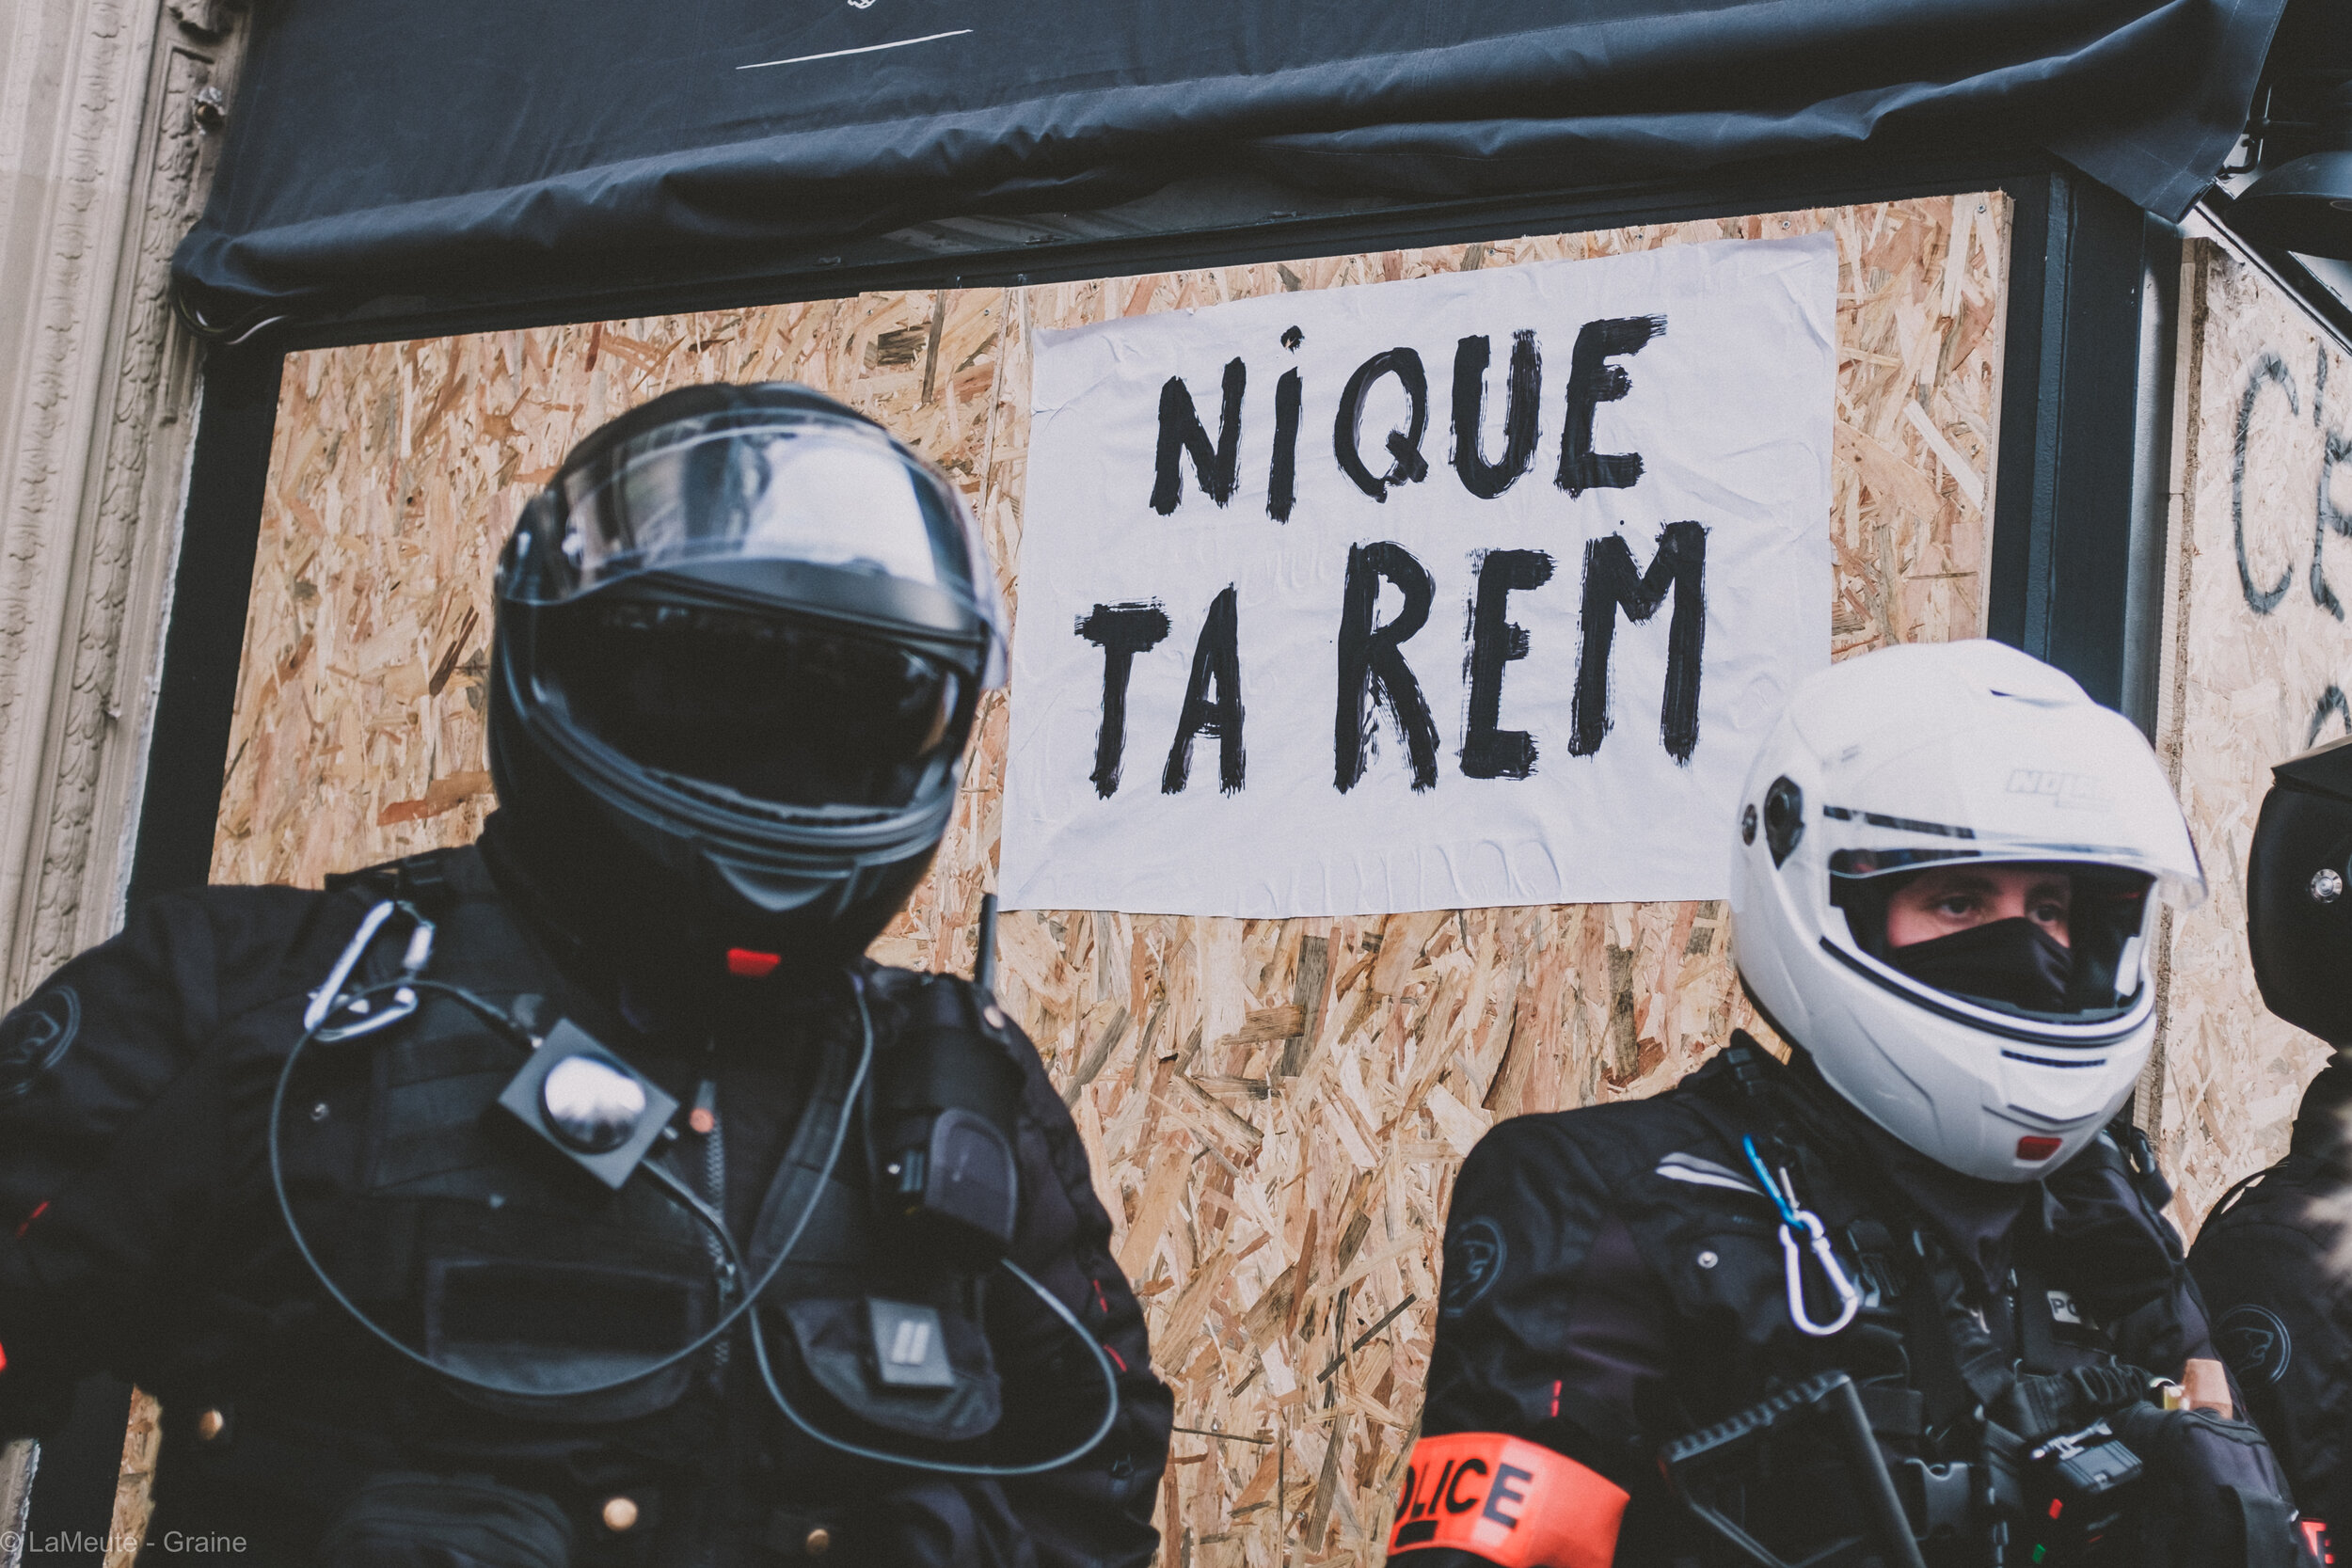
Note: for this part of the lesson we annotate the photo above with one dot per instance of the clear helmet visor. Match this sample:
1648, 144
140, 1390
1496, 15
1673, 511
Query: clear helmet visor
2021, 878
821, 512
2050, 942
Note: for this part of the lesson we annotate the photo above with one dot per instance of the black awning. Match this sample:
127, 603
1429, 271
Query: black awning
489, 148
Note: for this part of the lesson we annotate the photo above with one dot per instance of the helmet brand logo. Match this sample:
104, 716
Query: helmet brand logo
2068, 791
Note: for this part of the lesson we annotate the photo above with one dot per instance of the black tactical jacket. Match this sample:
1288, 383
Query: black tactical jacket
1615, 1279
2282, 1312
139, 1233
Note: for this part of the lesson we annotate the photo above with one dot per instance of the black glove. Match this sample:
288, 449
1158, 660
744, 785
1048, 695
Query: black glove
2213, 1496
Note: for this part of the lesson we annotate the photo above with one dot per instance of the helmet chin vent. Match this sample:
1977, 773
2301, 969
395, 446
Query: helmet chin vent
2034, 1148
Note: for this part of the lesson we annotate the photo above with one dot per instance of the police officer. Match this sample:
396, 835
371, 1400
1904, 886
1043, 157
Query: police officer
1904, 1298
2266, 1257
584, 1195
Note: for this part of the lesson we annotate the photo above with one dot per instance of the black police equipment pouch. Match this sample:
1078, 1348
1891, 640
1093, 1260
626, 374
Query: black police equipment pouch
947, 1102
2078, 1488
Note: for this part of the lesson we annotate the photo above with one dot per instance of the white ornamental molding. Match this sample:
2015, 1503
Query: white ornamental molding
107, 144
110, 115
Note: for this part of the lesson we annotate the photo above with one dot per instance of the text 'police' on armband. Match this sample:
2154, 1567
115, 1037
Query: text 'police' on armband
1515, 1503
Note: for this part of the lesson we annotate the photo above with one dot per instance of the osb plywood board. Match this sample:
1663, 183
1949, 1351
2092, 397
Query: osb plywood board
1276, 1108
2259, 658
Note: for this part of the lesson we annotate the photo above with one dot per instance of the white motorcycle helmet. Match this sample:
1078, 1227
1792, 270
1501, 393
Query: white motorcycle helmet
1944, 886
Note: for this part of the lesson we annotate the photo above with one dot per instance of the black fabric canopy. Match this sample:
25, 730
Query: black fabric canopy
486, 147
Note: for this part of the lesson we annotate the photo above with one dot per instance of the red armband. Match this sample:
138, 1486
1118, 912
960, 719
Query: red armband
1513, 1502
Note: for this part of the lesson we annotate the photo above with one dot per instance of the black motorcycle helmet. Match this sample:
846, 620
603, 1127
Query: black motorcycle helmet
2299, 894
741, 635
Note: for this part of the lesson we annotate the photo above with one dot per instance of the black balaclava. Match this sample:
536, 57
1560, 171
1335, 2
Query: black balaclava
2014, 962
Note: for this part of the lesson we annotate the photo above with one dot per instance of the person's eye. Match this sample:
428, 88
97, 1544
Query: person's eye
1956, 905
2050, 913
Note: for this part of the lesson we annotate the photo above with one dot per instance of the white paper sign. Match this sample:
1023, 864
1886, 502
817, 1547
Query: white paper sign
1471, 589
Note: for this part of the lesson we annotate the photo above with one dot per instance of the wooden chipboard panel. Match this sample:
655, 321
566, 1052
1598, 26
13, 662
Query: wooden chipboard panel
1276, 1108
2258, 660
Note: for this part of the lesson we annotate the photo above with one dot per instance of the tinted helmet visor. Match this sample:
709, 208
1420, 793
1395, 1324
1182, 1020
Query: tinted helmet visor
779, 708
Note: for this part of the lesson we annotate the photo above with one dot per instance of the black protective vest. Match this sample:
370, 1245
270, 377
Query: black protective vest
1568, 1229
461, 1234
1938, 1365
